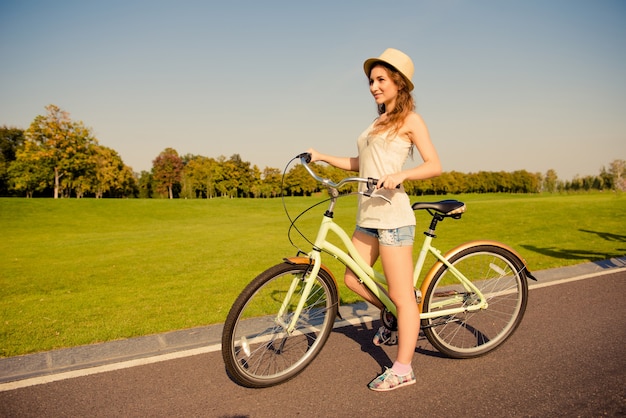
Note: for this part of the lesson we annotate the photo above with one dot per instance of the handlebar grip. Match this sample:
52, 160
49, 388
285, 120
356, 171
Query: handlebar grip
373, 182
306, 156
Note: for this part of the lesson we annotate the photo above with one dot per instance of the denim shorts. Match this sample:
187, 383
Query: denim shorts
396, 237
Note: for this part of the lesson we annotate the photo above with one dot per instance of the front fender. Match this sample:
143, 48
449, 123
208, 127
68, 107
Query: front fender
309, 262
431, 273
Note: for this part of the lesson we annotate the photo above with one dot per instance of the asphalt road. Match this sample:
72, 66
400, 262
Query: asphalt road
566, 359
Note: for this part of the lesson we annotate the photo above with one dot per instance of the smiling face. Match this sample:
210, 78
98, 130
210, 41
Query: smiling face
382, 87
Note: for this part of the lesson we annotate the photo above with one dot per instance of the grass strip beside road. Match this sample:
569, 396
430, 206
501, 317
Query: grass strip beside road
77, 272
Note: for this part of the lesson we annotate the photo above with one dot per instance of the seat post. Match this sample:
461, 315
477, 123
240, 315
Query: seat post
433, 224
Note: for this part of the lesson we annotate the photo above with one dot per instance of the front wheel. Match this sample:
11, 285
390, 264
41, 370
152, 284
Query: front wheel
256, 347
501, 278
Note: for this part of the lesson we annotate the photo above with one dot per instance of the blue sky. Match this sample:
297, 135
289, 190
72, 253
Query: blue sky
502, 85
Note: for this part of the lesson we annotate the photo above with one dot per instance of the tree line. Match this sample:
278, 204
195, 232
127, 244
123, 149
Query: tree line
59, 157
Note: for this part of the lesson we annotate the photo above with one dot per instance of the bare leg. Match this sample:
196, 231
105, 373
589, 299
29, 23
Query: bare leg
398, 267
367, 246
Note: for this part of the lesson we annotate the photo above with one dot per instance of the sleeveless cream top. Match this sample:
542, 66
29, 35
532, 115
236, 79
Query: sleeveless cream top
381, 154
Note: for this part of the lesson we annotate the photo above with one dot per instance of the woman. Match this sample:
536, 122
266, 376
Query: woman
386, 227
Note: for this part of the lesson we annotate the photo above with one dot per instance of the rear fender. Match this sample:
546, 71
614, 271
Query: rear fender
431, 273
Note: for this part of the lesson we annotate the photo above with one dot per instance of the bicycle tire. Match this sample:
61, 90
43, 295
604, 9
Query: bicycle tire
501, 276
256, 350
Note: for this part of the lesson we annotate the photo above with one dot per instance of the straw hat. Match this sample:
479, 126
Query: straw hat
397, 59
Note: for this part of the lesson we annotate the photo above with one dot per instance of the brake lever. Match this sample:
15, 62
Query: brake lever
371, 186
371, 189
371, 193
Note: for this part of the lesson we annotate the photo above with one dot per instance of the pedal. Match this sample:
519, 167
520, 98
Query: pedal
393, 340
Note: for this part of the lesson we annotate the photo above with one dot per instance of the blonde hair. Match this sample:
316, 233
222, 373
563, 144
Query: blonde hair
404, 103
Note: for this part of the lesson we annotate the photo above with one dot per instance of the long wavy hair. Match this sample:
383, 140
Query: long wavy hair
404, 103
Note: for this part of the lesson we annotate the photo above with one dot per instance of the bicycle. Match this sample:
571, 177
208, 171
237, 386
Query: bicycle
474, 297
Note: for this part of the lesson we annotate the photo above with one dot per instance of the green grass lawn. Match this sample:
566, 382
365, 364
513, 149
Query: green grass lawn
76, 272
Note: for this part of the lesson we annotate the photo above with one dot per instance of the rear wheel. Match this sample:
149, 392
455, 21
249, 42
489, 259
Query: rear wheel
256, 348
501, 277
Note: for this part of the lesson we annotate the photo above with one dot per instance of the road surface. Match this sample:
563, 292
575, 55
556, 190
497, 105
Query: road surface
566, 359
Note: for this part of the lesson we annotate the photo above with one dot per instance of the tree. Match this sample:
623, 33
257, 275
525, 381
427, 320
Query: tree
486, 182
62, 146
256, 187
63, 154
190, 187
617, 169
26, 173
110, 174
271, 180
199, 177
299, 182
213, 174
10, 140
240, 176
145, 184
167, 171
550, 181
524, 182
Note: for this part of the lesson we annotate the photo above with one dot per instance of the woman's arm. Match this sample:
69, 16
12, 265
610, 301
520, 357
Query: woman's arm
345, 163
416, 131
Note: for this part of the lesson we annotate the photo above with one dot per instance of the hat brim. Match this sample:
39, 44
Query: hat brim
370, 63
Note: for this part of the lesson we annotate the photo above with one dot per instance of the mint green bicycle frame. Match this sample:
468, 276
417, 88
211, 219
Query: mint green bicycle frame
371, 278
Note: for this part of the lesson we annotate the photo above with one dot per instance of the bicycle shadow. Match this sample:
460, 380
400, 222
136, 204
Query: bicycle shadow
573, 254
584, 254
607, 236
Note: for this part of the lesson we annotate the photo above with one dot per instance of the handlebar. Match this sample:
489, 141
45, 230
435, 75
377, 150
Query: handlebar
305, 159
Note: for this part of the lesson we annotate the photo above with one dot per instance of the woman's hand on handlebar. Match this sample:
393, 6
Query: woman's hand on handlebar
315, 156
390, 181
